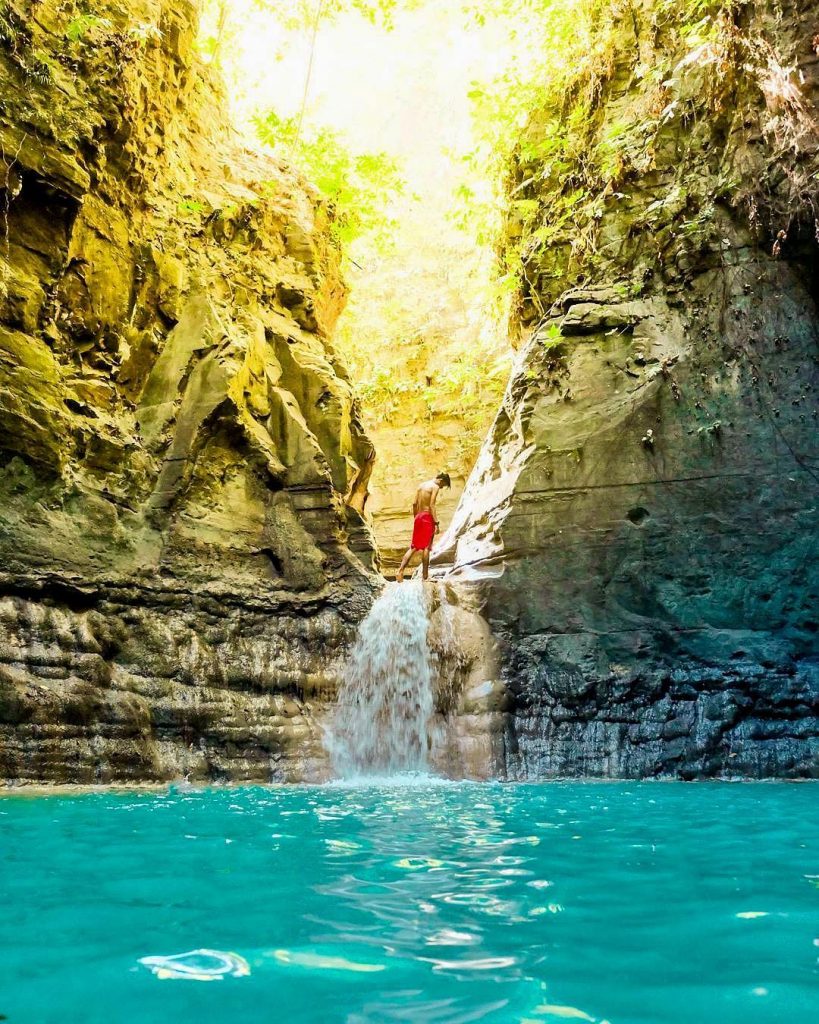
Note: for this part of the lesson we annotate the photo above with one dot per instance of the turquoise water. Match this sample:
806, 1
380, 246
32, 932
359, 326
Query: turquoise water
659, 903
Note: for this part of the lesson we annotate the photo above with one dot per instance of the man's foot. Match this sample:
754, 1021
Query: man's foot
399, 576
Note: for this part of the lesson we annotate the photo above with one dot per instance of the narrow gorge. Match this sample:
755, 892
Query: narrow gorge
629, 584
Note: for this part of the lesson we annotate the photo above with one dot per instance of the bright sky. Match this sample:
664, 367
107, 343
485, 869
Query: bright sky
403, 91
422, 309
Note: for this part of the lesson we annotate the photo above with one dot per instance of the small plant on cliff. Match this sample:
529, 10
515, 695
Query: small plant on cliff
78, 28
190, 206
13, 30
358, 186
39, 68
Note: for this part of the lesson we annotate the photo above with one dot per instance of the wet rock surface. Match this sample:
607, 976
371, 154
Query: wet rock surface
177, 436
640, 530
471, 701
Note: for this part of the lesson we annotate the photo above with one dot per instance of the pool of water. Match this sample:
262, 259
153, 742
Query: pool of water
654, 903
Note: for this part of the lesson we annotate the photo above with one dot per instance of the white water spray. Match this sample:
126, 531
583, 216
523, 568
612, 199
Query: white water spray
382, 722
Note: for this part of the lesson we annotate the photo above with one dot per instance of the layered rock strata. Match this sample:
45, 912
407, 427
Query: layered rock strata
180, 571
641, 526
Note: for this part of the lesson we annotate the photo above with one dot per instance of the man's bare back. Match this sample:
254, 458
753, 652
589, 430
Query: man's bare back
425, 497
425, 523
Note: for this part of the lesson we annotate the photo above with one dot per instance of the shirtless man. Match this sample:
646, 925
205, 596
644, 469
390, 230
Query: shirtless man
425, 525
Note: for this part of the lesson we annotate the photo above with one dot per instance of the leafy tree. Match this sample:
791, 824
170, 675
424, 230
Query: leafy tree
303, 14
220, 17
358, 185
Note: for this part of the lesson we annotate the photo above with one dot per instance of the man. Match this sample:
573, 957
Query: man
425, 524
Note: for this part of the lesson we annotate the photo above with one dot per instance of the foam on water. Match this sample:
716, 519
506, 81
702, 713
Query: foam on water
197, 965
381, 725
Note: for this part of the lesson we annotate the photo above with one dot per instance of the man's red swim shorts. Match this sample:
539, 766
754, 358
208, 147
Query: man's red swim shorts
423, 530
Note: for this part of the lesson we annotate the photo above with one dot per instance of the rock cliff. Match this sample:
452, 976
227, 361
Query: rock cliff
179, 570
409, 452
640, 528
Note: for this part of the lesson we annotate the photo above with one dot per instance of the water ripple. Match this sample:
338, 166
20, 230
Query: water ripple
413, 904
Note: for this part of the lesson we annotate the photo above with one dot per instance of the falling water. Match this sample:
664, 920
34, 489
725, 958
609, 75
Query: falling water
382, 721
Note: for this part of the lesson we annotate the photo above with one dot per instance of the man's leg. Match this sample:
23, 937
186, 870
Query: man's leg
400, 574
425, 557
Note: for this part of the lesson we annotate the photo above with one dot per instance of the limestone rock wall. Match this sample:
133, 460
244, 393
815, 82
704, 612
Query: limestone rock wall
179, 570
641, 527
470, 700
410, 452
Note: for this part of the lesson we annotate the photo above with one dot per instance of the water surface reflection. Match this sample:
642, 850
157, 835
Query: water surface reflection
423, 903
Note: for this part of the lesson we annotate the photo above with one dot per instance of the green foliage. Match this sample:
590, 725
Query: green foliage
531, 116
559, 166
79, 27
220, 18
301, 14
359, 186
190, 206
553, 338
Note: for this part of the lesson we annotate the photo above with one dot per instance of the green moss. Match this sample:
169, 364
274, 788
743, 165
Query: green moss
620, 169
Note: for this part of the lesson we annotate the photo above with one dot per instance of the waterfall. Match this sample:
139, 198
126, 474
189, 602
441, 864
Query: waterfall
385, 703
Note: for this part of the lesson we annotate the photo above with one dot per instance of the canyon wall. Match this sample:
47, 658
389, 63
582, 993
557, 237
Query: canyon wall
641, 527
179, 570
410, 451
181, 563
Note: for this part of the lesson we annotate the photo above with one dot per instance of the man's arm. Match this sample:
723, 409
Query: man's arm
432, 504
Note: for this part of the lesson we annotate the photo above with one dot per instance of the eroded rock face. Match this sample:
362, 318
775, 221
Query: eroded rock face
180, 570
641, 527
409, 454
470, 700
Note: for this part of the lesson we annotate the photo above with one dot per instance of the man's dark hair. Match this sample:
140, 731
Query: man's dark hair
443, 479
